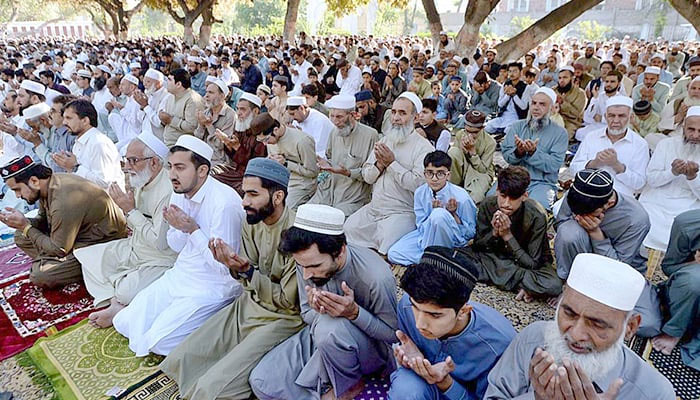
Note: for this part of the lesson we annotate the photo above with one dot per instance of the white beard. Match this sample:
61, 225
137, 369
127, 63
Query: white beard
398, 134
242, 125
139, 179
537, 124
345, 131
618, 132
690, 151
595, 364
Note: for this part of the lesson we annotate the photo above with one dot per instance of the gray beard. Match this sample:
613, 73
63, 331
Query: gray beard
398, 134
537, 124
139, 179
243, 125
618, 132
690, 151
345, 131
690, 102
595, 364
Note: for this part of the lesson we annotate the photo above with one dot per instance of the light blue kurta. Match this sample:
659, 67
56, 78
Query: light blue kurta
436, 226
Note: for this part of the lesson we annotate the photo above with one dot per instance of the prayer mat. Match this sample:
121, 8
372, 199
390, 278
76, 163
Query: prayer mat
685, 380
519, 313
86, 363
13, 264
29, 312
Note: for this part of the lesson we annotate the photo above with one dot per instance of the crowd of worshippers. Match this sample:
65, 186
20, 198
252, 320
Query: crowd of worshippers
237, 208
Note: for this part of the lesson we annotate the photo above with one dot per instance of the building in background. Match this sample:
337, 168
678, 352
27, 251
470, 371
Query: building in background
74, 29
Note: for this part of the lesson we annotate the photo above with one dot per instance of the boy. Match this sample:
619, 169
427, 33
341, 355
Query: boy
447, 345
430, 128
456, 102
445, 214
437, 95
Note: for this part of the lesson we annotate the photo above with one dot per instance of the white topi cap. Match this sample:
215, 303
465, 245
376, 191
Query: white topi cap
653, 70
417, 103
296, 101
319, 218
693, 111
251, 98
619, 101
131, 79
195, 145
32, 86
341, 102
153, 143
548, 92
37, 110
154, 74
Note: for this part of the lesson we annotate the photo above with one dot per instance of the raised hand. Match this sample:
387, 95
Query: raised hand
339, 306
406, 350
177, 219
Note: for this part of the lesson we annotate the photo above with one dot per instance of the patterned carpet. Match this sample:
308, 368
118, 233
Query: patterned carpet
13, 264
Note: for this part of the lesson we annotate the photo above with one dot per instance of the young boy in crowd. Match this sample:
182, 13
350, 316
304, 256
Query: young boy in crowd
456, 102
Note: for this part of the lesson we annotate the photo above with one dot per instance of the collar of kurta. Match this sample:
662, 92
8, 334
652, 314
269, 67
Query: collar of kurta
628, 135
85, 137
202, 192
444, 190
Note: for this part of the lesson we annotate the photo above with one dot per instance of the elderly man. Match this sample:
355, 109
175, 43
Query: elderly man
680, 89
179, 117
153, 101
672, 183
594, 114
348, 302
651, 89
59, 138
486, 92
674, 112
371, 114
582, 353
126, 120
571, 100
73, 213
539, 145
657, 60
311, 122
197, 286
216, 119
215, 361
395, 169
617, 149
116, 271
349, 146
472, 157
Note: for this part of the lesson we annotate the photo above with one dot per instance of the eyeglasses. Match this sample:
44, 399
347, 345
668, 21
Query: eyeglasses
133, 160
438, 174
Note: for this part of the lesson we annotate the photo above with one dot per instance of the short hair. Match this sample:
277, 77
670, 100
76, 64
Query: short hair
516, 64
47, 73
616, 73
39, 170
438, 158
426, 284
513, 181
530, 72
481, 77
296, 239
430, 104
310, 90
609, 63
64, 99
581, 205
83, 108
436, 83
9, 72
182, 76
341, 63
197, 160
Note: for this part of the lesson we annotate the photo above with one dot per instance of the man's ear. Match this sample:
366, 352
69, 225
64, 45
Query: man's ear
632, 325
278, 198
464, 311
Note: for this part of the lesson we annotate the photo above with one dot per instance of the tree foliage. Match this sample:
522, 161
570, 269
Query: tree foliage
519, 24
345, 7
592, 31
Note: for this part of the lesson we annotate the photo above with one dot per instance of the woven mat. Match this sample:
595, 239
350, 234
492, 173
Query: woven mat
14, 263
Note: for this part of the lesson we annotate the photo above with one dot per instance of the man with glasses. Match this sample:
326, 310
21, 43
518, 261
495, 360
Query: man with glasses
445, 214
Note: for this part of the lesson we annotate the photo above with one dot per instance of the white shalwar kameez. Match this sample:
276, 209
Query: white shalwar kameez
319, 127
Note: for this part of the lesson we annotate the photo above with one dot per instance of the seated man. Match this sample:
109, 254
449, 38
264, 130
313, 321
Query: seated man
456, 100
448, 344
395, 170
486, 92
311, 122
571, 100
511, 243
216, 118
371, 114
681, 292
646, 122
73, 213
616, 149
672, 180
116, 271
583, 350
430, 128
445, 214
348, 302
472, 157
512, 101
215, 361
349, 146
652, 90
538, 145
197, 286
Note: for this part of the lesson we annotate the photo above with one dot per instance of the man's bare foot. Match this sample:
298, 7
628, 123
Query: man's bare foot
103, 318
524, 295
553, 301
664, 343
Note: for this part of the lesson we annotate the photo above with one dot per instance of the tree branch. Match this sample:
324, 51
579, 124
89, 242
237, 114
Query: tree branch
136, 9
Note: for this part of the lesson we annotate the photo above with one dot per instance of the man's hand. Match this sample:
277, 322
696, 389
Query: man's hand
597, 118
125, 201
678, 167
165, 118
384, 154
325, 165
339, 306
573, 383
434, 374
697, 256
421, 132
691, 170
13, 218
405, 351
520, 147
495, 225
177, 218
224, 254
503, 225
203, 119
542, 374
607, 157
30, 136
277, 157
7, 126
592, 225
312, 298
109, 106
531, 145
65, 160
468, 143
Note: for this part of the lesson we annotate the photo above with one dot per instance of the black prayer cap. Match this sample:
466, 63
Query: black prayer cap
456, 263
642, 107
16, 166
593, 183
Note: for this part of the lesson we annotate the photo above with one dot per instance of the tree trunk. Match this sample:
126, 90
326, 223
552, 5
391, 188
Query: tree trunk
123, 24
189, 31
434, 22
208, 20
290, 20
468, 36
520, 44
690, 10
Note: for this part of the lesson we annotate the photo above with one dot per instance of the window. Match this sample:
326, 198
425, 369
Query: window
553, 4
519, 5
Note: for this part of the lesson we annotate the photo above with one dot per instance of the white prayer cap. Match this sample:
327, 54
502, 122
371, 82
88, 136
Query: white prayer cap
548, 92
457, 58
155, 74
82, 57
657, 55
222, 85
319, 218
567, 68
542, 60
36, 110
251, 98
104, 68
296, 101
131, 79
51, 94
367, 70
67, 71
134, 65
337, 56
443, 33
341, 102
413, 98
653, 70
36, 74
153, 143
83, 73
32, 86
194, 59
590, 46
342, 48
209, 79
272, 60
619, 101
607, 281
196, 146
417, 47
693, 111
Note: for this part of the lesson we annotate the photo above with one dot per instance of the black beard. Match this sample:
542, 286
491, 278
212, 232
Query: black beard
565, 89
319, 282
611, 91
260, 214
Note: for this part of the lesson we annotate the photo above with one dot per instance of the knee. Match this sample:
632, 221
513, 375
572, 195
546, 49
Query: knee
439, 217
687, 284
257, 379
570, 233
326, 333
406, 385
41, 279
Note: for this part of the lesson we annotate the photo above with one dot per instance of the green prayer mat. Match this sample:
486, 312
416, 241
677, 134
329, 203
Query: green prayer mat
85, 363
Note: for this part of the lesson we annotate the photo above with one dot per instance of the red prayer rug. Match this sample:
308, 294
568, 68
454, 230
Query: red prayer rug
30, 312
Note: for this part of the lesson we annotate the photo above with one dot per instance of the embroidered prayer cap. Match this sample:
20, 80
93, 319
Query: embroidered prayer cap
419, 70
341, 102
221, 85
367, 70
652, 70
194, 59
548, 92
642, 107
251, 98
456, 78
296, 101
607, 281
475, 119
657, 55
153, 143
155, 74
320, 218
265, 89
431, 66
32, 86
36, 110
363, 95
454, 262
413, 98
694, 61
619, 101
83, 73
134, 65
196, 146
104, 68
131, 79
693, 111
593, 183
268, 169
567, 68
16, 166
